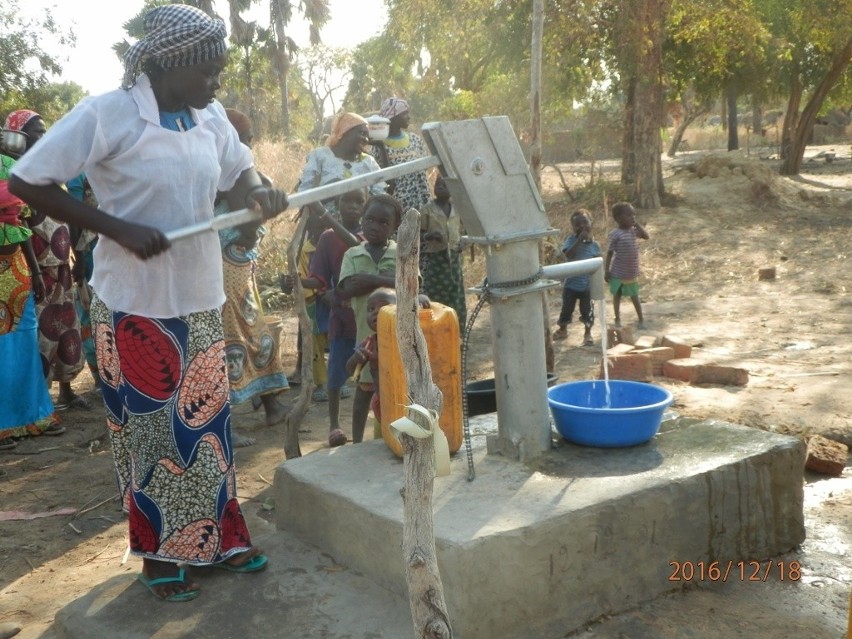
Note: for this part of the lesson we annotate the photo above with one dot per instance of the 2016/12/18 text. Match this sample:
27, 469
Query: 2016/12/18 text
742, 570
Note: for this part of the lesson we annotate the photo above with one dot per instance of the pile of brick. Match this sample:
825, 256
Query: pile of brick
650, 357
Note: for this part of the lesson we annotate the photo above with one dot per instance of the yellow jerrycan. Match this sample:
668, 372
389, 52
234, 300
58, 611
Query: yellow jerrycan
440, 327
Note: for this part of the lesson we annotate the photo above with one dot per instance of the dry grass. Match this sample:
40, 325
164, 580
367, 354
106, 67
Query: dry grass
282, 162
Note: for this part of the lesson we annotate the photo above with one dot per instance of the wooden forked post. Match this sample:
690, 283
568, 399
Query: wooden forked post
425, 590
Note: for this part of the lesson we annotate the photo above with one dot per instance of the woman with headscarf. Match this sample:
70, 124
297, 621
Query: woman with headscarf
252, 350
412, 189
26, 408
59, 332
342, 157
156, 152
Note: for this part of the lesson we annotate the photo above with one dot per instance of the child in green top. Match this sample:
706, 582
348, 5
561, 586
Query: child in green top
366, 267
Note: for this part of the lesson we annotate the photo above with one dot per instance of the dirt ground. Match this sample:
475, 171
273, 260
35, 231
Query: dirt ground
700, 284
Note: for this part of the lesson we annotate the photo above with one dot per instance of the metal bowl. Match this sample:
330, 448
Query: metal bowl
13, 142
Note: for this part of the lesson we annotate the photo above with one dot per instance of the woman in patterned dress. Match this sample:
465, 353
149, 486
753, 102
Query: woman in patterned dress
26, 408
252, 349
412, 190
156, 152
59, 339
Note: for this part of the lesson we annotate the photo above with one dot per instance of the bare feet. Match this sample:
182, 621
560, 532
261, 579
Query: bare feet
240, 440
276, 412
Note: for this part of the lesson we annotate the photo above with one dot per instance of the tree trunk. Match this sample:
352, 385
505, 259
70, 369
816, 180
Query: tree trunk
535, 149
733, 129
535, 91
799, 135
628, 152
425, 590
757, 118
690, 115
645, 108
282, 63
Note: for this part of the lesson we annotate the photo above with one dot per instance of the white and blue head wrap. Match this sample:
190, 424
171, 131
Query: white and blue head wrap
176, 35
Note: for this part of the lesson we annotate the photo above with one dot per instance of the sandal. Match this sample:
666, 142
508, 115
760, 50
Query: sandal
77, 402
151, 584
560, 333
345, 391
588, 341
255, 564
53, 430
336, 438
320, 395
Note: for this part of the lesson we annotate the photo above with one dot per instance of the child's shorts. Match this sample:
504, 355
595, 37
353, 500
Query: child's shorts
340, 350
628, 288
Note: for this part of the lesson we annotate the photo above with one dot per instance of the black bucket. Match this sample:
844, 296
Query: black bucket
482, 397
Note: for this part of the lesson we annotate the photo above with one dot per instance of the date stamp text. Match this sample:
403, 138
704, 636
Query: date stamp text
724, 571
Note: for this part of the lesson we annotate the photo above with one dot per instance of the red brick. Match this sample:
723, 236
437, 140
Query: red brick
767, 273
646, 341
659, 356
681, 368
826, 456
722, 375
634, 366
681, 348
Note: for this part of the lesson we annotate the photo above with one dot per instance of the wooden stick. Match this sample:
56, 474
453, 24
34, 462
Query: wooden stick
98, 505
425, 590
297, 412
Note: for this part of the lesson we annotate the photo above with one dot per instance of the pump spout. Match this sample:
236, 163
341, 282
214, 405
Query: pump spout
594, 267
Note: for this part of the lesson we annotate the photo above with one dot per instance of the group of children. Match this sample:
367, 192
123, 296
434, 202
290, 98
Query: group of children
346, 283
348, 273
621, 268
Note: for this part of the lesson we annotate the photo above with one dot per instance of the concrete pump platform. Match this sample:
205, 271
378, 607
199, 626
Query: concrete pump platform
525, 552
538, 550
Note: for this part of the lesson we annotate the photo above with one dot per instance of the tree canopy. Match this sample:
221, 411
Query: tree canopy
27, 70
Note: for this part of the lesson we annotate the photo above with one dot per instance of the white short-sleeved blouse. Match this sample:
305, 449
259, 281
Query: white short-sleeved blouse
149, 175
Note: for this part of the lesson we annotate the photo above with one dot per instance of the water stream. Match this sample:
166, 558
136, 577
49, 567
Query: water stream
604, 346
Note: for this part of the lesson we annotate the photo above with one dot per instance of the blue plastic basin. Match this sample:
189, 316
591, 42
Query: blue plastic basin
632, 417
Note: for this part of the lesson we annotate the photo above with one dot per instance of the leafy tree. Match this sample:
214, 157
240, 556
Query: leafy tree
712, 46
325, 71
812, 47
317, 13
25, 68
432, 52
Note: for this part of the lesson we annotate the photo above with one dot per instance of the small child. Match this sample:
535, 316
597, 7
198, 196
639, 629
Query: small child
579, 246
366, 357
333, 308
365, 268
315, 227
622, 260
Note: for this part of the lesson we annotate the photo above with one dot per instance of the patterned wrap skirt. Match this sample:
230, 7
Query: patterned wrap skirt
252, 345
26, 408
443, 281
165, 388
